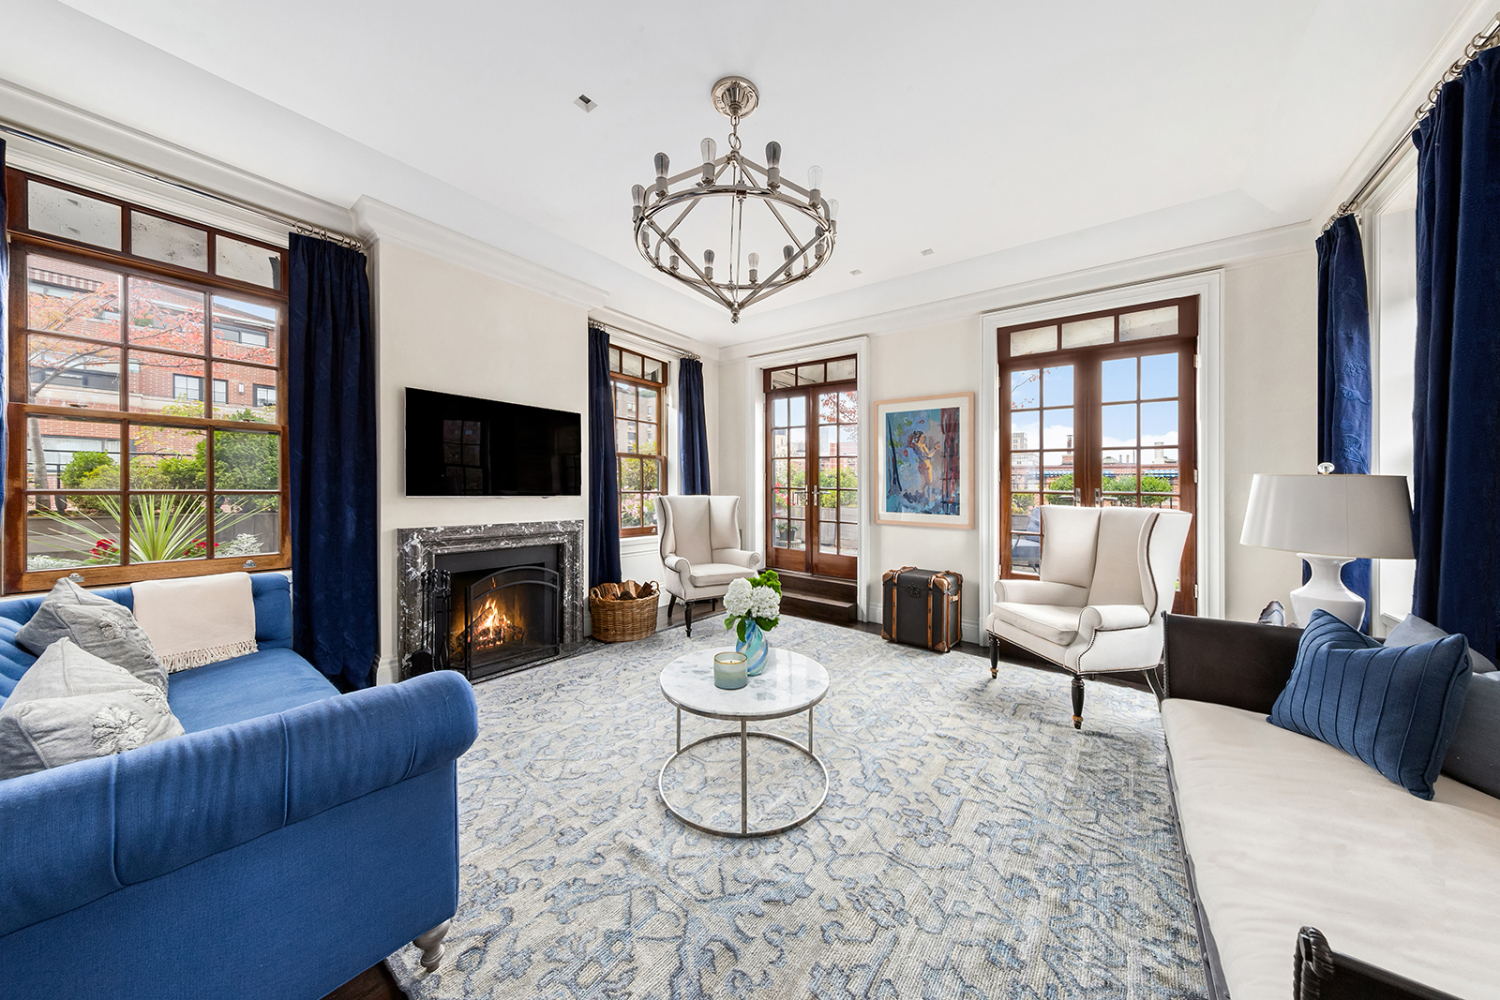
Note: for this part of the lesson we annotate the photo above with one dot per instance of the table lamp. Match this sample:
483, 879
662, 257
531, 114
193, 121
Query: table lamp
1330, 520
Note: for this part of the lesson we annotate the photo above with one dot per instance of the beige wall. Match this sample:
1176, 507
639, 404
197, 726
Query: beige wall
1270, 416
444, 327
440, 326
1270, 410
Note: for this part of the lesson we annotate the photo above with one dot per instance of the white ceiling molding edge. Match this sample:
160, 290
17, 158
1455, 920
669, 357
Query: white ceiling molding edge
648, 331
1153, 267
374, 220
27, 110
1398, 123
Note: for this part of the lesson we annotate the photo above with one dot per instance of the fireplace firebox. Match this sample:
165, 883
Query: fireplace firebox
492, 612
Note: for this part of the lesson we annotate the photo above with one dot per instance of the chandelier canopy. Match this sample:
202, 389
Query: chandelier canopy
667, 213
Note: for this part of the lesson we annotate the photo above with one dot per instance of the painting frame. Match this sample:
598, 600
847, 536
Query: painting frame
917, 481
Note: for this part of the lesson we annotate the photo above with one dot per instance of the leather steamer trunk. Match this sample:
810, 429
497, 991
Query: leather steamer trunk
921, 608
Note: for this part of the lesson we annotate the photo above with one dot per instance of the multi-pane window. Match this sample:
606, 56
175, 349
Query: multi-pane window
639, 383
1098, 411
120, 319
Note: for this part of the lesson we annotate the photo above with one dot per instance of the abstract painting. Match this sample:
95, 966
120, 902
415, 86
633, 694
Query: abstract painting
926, 461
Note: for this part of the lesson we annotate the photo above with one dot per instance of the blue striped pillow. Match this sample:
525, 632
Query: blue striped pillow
1393, 708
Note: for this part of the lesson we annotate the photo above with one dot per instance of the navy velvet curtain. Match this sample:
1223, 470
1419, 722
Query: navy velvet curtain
4, 290
331, 415
1345, 418
604, 486
1456, 413
692, 428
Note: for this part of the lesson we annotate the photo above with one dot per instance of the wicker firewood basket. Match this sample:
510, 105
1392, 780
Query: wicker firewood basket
623, 612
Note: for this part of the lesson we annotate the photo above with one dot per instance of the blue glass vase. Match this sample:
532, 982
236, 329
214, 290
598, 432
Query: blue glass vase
756, 648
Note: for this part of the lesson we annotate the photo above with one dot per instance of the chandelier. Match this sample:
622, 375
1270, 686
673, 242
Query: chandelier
665, 216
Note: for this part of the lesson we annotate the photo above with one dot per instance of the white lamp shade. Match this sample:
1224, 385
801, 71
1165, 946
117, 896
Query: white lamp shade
1364, 517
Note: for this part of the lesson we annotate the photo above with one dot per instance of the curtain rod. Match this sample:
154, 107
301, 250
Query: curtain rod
1486, 39
689, 355
293, 225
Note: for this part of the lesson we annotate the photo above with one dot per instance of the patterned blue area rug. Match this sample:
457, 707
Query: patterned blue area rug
973, 845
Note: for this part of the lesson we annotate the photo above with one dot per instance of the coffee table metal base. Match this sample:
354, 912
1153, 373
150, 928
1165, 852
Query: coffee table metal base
744, 734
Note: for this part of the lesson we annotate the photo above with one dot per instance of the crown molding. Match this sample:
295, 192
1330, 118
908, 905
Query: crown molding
653, 333
1152, 267
374, 221
33, 112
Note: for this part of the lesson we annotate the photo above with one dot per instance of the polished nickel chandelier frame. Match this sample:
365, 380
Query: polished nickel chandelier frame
734, 179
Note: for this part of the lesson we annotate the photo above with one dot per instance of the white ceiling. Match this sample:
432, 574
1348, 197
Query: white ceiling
997, 133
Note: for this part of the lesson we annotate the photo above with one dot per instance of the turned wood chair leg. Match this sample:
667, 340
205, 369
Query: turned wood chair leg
431, 944
994, 657
1077, 701
687, 616
671, 606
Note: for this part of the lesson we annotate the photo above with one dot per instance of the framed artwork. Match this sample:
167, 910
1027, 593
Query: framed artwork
926, 461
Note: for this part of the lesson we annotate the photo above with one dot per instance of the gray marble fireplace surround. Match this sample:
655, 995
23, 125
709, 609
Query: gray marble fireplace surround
417, 550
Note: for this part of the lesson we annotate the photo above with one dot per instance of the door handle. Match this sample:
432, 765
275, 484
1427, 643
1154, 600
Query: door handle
1096, 496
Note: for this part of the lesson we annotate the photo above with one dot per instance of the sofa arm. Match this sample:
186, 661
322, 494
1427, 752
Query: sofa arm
1111, 618
1040, 592
148, 812
1239, 664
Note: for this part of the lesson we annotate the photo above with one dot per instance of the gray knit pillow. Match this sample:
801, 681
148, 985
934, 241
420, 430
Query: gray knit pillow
112, 634
70, 705
45, 626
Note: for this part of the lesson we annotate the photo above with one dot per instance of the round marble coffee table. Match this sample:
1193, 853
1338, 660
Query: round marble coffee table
791, 683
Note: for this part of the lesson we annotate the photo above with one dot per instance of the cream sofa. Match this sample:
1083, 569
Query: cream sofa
1281, 832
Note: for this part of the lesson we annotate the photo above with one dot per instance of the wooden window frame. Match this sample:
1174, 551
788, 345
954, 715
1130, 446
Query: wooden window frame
620, 378
1087, 403
24, 242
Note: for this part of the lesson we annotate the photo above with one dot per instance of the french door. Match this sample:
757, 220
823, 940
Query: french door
812, 468
1098, 410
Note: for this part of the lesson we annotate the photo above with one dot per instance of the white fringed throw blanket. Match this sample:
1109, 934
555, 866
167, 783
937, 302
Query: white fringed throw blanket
197, 621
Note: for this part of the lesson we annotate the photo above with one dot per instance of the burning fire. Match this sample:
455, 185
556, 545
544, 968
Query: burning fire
491, 628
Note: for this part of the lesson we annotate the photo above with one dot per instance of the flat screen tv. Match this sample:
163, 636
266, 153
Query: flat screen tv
466, 446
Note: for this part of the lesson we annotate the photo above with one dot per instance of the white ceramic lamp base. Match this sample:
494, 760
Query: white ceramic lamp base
1325, 590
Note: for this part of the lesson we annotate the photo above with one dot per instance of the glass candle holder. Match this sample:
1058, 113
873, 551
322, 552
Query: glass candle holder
729, 671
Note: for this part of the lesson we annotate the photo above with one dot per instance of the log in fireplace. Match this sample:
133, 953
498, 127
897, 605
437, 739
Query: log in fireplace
488, 613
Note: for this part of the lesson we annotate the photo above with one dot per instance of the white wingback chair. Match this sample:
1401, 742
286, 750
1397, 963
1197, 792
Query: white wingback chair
700, 548
1108, 574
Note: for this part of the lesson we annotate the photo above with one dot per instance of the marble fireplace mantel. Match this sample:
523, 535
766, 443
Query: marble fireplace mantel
417, 551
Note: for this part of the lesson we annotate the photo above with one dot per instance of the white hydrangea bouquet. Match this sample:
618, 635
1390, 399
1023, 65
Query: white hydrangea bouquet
754, 607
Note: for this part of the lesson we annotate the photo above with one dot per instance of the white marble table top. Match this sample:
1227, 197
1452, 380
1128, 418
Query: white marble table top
790, 683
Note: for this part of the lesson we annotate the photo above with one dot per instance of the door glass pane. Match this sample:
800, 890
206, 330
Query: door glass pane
1057, 471
849, 439
1025, 552
798, 472
828, 440
828, 538
1057, 385
779, 502
848, 474
1117, 379
64, 297
1037, 340
72, 216
1119, 425
1025, 389
1119, 470
169, 242
796, 535
778, 413
1159, 376
849, 538
1025, 472
828, 407
1025, 430
1148, 323
828, 481
779, 442
779, 473
1057, 428
1158, 424
797, 441
797, 411
1089, 332
247, 262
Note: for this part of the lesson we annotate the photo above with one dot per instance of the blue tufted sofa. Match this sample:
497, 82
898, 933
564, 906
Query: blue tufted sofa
291, 839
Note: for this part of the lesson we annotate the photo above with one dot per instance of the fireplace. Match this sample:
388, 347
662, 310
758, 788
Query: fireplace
496, 611
489, 599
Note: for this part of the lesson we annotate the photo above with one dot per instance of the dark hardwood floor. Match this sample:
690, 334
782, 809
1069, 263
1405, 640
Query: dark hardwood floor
376, 982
